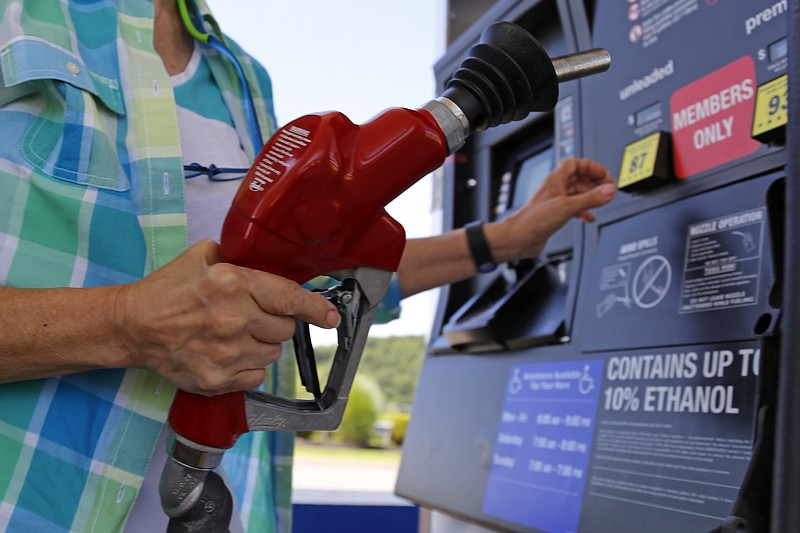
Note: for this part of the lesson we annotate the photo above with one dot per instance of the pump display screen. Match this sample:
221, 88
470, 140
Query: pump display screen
648, 114
778, 50
529, 175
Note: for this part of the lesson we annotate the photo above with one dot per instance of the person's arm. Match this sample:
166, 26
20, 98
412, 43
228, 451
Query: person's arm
207, 326
576, 186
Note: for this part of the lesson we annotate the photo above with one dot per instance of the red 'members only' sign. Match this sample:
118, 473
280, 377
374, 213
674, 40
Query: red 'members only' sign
712, 117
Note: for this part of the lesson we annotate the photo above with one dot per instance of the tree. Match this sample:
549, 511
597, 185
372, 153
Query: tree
361, 412
393, 362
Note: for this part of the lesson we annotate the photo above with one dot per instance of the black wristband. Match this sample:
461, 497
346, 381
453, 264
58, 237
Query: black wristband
479, 247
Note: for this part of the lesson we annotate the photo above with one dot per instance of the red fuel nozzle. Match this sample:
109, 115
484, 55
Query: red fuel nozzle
312, 204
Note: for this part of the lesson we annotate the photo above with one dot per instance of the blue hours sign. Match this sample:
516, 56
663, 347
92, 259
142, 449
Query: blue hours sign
544, 441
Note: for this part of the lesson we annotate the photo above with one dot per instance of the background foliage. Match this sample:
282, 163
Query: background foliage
383, 389
393, 363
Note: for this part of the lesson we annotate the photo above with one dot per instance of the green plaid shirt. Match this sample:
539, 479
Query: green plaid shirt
91, 193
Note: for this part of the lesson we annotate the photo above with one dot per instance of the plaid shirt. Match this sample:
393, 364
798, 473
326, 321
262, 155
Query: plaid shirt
91, 193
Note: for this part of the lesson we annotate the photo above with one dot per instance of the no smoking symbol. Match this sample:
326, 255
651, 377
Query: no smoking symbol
651, 282
635, 33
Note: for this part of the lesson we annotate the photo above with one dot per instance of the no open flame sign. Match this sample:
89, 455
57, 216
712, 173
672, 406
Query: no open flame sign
712, 118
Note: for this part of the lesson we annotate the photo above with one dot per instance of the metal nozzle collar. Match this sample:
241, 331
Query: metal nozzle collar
452, 121
193, 455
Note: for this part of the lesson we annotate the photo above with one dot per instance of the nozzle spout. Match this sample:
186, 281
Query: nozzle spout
505, 77
509, 75
581, 64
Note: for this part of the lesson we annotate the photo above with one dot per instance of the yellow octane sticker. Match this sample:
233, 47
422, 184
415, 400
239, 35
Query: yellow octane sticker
772, 105
639, 160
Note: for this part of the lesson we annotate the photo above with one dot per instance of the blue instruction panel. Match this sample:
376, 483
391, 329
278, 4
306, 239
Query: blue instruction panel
543, 446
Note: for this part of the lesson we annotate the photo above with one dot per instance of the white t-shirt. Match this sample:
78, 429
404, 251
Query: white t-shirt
206, 140
207, 137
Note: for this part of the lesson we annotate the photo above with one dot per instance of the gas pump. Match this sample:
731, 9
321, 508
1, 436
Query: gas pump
626, 379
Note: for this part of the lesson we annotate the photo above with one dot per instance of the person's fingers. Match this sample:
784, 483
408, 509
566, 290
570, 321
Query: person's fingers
208, 249
588, 185
598, 196
250, 378
594, 197
245, 352
588, 168
223, 367
210, 326
271, 328
573, 176
283, 297
575, 166
587, 175
581, 183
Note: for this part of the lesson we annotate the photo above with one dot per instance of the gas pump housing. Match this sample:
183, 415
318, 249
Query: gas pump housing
626, 379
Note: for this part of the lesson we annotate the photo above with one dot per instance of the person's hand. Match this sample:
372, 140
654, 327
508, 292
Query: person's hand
576, 186
212, 327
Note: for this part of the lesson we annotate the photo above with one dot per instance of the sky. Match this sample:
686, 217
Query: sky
358, 57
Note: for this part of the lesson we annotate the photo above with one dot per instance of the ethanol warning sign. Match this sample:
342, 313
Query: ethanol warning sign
723, 261
673, 434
